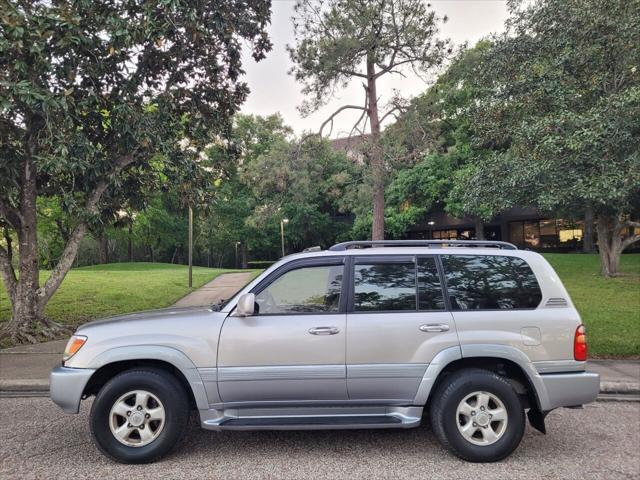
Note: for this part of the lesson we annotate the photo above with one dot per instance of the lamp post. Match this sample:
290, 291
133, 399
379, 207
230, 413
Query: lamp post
282, 222
235, 265
190, 247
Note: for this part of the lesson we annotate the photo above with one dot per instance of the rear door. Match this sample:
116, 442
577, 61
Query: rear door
397, 321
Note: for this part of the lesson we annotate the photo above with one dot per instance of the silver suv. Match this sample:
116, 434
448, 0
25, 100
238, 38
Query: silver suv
363, 335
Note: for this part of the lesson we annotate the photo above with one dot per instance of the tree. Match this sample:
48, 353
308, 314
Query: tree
559, 103
342, 40
434, 136
95, 92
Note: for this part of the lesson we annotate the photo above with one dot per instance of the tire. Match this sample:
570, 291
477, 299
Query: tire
158, 426
490, 439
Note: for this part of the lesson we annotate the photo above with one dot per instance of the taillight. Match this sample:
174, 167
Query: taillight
580, 344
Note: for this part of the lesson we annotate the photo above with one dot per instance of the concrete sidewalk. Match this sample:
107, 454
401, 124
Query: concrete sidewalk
222, 287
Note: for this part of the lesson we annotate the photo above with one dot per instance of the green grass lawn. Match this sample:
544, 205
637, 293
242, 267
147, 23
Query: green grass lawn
610, 307
102, 290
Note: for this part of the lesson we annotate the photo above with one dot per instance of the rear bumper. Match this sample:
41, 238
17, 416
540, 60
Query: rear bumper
67, 385
570, 389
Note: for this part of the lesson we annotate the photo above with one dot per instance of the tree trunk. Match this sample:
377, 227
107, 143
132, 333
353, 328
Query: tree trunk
610, 242
103, 248
27, 297
479, 225
376, 159
25, 309
587, 238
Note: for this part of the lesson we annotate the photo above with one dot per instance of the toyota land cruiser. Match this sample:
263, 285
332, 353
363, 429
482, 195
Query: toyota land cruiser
477, 336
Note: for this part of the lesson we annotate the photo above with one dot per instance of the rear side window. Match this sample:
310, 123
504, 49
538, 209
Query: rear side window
384, 287
490, 282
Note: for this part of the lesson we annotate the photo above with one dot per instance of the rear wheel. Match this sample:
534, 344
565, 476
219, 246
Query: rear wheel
139, 415
478, 416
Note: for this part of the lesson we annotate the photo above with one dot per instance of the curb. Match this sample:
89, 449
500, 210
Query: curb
41, 386
16, 386
621, 388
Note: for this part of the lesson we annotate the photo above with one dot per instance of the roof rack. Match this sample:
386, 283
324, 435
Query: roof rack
422, 243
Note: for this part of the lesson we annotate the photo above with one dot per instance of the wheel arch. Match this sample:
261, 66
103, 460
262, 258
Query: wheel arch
502, 359
117, 360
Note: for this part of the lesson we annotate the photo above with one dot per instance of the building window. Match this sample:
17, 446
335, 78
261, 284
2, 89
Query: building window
516, 233
445, 234
546, 233
569, 232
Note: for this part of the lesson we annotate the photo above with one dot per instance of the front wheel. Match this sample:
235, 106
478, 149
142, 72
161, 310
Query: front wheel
139, 415
478, 416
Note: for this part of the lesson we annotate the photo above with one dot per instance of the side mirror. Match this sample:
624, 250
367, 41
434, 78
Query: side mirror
246, 305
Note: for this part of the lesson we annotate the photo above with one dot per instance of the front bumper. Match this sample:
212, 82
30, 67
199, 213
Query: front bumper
570, 389
67, 385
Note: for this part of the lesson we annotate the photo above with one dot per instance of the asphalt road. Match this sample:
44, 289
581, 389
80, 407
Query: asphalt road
37, 440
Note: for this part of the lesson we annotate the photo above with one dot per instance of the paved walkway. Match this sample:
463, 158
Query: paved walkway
220, 288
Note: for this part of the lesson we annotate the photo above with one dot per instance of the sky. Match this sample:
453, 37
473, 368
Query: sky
274, 90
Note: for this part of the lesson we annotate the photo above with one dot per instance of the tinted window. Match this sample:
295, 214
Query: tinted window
430, 295
490, 282
304, 290
384, 287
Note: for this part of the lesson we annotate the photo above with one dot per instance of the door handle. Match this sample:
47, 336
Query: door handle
434, 327
324, 330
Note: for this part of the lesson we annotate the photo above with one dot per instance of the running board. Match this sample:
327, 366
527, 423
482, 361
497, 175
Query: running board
389, 417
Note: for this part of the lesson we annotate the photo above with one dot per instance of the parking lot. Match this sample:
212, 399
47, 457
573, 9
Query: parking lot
601, 441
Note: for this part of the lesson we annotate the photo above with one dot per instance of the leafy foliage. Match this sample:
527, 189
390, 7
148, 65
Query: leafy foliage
103, 101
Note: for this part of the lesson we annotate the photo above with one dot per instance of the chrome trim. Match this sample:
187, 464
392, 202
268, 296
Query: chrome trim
324, 330
434, 327
556, 302
295, 372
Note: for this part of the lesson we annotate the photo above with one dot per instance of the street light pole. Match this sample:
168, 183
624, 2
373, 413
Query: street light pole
190, 246
235, 265
282, 222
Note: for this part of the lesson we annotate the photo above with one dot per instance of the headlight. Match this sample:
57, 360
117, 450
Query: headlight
74, 344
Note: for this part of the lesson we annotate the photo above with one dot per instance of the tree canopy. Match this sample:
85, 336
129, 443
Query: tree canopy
98, 98
338, 41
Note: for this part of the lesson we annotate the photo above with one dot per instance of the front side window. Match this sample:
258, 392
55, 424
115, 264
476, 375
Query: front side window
384, 287
490, 282
304, 290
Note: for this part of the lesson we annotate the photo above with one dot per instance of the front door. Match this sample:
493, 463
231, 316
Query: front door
293, 347
396, 323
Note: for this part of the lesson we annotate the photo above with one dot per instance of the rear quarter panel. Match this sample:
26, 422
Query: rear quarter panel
543, 334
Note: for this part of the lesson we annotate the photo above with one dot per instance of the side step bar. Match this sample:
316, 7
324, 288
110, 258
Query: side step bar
400, 417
